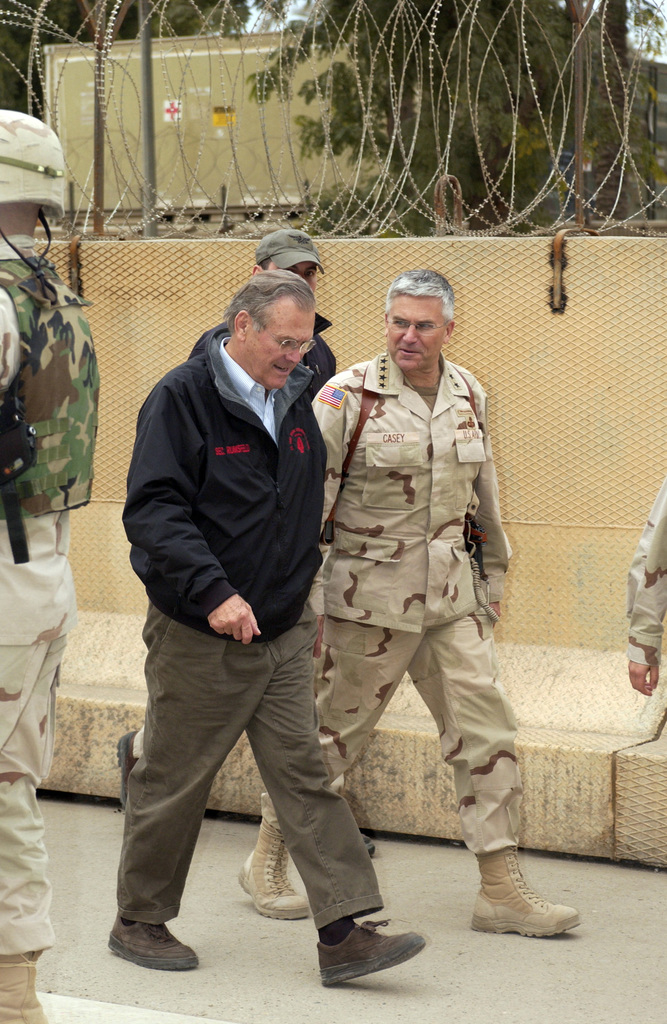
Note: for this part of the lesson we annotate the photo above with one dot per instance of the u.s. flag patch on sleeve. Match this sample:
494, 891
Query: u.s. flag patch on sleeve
332, 396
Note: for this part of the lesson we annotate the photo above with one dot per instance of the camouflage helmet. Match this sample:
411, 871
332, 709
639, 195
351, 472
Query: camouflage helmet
32, 165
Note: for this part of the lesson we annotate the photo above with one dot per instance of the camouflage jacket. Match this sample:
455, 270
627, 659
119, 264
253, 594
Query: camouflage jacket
59, 385
398, 559
647, 586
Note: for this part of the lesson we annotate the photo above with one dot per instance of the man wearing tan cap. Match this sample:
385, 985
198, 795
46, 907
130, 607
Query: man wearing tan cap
293, 250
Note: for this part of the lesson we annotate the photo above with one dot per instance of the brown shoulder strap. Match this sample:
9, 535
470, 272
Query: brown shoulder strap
367, 403
472, 397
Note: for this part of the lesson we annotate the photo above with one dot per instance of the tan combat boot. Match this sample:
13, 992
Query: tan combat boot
18, 999
264, 878
506, 903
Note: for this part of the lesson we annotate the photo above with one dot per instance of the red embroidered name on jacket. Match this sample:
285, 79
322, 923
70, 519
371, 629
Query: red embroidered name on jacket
233, 449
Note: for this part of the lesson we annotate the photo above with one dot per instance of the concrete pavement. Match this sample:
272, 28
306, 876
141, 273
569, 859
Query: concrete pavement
258, 971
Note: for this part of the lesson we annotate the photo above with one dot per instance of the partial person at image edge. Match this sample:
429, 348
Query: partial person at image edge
48, 393
647, 599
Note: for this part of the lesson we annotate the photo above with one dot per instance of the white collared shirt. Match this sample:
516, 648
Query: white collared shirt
251, 392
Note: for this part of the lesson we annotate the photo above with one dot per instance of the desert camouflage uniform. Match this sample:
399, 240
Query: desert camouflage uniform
59, 383
647, 587
398, 589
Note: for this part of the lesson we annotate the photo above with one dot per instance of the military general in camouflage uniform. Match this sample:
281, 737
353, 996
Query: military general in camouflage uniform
48, 402
398, 586
647, 599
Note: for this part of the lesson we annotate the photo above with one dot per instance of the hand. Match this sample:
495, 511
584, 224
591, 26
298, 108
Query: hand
643, 678
235, 616
317, 649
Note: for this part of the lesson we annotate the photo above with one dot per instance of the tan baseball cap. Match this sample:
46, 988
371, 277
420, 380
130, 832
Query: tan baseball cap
286, 247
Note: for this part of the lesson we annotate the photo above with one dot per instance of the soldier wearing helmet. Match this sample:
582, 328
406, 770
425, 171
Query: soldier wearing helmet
48, 419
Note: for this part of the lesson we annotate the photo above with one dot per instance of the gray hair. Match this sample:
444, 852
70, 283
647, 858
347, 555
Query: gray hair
428, 283
262, 292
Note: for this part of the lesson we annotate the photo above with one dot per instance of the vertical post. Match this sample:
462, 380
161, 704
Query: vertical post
70, 202
579, 13
579, 126
148, 188
98, 122
95, 21
652, 124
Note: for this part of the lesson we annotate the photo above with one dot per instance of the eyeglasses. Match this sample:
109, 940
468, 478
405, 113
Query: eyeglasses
423, 327
291, 344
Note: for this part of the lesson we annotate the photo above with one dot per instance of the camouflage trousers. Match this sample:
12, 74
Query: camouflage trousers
28, 681
455, 672
454, 669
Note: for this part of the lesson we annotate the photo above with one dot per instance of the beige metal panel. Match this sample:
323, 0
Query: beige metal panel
152, 301
566, 585
100, 557
641, 803
575, 397
578, 400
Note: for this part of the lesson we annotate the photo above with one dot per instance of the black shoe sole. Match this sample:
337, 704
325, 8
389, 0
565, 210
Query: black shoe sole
358, 969
153, 963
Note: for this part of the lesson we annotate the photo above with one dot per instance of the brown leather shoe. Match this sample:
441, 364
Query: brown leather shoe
365, 952
150, 945
126, 762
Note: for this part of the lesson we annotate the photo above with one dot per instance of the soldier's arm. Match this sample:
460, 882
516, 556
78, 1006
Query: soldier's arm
643, 678
497, 550
337, 423
636, 571
648, 611
10, 354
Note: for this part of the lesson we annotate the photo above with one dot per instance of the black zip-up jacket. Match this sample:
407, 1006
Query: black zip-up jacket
215, 507
320, 359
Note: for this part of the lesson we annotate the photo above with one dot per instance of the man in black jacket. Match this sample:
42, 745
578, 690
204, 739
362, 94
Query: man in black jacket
293, 250
225, 495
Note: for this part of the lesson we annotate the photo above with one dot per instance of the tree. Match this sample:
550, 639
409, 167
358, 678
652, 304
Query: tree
484, 91
619, 141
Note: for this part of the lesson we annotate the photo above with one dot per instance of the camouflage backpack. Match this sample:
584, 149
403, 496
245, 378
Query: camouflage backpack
58, 384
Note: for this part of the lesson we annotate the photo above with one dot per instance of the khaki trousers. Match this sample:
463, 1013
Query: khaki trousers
203, 693
28, 681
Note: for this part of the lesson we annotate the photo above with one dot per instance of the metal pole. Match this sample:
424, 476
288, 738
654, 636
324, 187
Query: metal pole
579, 12
579, 126
98, 123
148, 187
95, 22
